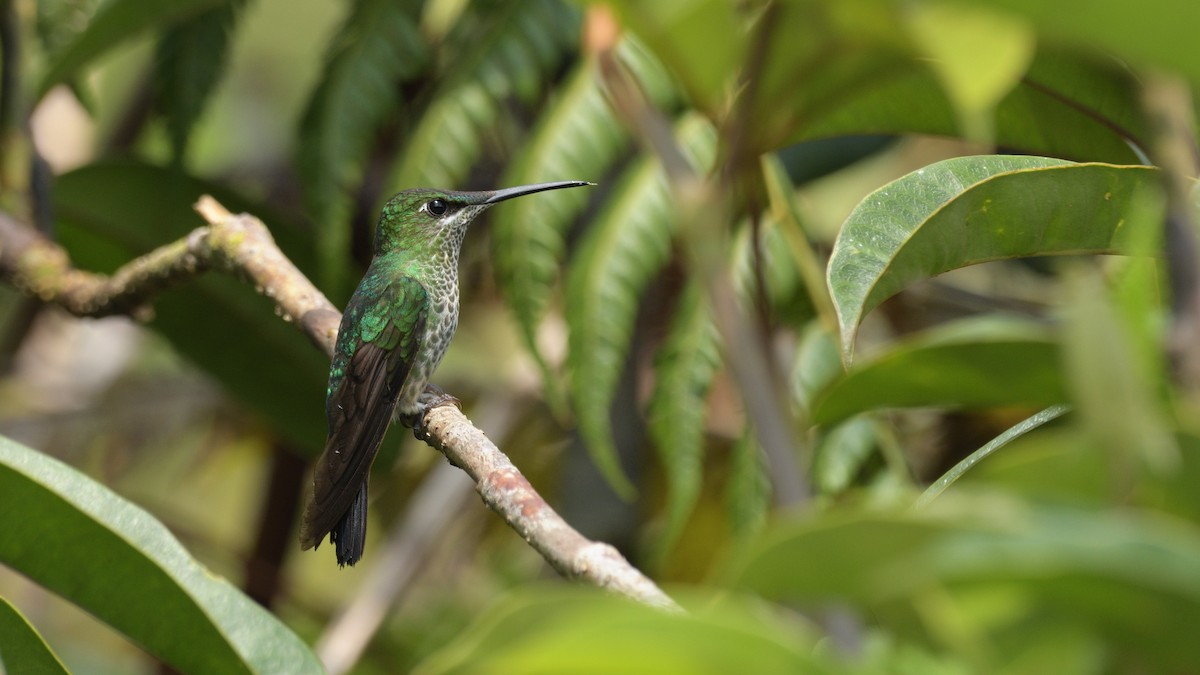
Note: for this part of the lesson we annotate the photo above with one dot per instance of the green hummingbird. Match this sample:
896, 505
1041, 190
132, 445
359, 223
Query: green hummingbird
393, 335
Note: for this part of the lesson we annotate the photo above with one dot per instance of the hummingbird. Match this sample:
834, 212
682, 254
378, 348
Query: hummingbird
393, 334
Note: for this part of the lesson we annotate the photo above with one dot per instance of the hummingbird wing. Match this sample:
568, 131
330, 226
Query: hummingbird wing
379, 338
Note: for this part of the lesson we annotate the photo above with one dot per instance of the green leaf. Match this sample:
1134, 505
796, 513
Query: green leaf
851, 68
1060, 465
520, 47
702, 41
376, 50
22, 649
1067, 105
841, 454
626, 245
979, 57
116, 22
578, 630
59, 22
1155, 32
817, 364
80, 540
974, 209
775, 265
790, 229
1011, 434
190, 62
973, 363
1064, 465
577, 138
1115, 397
684, 370
977, 569
748, 494
111, 212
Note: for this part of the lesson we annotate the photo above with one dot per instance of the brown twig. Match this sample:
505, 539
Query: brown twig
242, 245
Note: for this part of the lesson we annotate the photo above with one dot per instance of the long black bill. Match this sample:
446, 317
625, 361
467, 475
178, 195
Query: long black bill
509, 193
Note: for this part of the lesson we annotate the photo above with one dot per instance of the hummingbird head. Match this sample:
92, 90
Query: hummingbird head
427, 219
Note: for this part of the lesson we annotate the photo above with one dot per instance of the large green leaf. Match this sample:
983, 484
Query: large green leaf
111, 212
993, 566
626, 245
510, 55
1153, 32
191, 59
580, 138
863, 67
1067, 105
577, 630
972, 363
376, 50
22, 649
974, 209
113, 23
77, 538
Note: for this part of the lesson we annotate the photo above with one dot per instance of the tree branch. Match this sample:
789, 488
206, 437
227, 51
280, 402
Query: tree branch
242, 245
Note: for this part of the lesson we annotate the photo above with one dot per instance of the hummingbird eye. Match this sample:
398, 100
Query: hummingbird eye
437, 207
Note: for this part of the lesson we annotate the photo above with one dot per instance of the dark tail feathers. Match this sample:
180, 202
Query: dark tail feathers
349, 536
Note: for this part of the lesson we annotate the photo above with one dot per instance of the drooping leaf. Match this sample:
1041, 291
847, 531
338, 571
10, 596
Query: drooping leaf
974, 209
971, 363
111, 212
376, 50
112, 24
572, 629
520, 47
625, 246
684, 370
80, 540
577, 138
22, 648
190, 61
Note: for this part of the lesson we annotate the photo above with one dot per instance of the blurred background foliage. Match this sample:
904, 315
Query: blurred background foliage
850, 152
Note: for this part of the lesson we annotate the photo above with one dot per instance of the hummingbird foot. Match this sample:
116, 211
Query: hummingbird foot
433, 397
